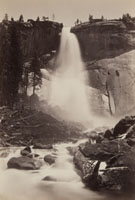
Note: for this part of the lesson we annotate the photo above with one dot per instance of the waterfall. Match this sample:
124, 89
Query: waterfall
68, 84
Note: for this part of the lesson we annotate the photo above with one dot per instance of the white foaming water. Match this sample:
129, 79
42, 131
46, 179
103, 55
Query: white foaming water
68, 89
28, 185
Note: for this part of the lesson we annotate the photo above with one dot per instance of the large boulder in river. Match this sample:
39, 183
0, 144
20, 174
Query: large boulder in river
24, 163
88, 169
49, 159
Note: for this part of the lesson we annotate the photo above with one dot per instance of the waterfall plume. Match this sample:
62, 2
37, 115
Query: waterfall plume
68, 83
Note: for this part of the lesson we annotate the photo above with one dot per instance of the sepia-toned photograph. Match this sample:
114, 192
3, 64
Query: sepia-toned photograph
67, 99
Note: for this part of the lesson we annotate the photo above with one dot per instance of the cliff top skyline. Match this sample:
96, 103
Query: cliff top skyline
66, 11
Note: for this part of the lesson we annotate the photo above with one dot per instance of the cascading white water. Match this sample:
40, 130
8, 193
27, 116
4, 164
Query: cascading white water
66, 184
68, 89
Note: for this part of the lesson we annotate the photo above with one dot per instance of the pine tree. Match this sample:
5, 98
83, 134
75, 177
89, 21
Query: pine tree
38, 19
21, 19
5, 17
36, 74
90, 18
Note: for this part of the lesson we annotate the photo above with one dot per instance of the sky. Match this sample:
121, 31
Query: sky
66, 11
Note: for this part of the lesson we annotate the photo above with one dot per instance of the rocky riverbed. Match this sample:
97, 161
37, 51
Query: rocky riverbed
29, 173
103, 162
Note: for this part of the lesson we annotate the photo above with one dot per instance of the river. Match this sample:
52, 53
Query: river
66, 184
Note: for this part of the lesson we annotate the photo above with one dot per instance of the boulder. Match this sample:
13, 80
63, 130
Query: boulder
42, 146
26, 151
24, 162
125, 159
116, 151
117, 179
49, 159
49, 178
88, 169
131, 141
108, 134
123, 125
131, 132
105, 150
120, 172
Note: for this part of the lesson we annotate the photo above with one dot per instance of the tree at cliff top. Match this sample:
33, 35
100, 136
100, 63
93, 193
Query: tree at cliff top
21, 19
5, 17
128, 21
90, 18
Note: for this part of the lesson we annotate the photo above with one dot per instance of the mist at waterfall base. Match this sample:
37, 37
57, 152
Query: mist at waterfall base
67, 92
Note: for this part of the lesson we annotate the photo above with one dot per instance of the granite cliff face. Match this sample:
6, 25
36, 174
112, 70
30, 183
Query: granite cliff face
104, 39
108, 51
41, 36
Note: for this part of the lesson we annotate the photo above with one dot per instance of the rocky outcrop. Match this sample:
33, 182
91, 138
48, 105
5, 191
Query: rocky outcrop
108, 50
104, 39
42, 36
114, 77
49, 159
24, 162
109, 164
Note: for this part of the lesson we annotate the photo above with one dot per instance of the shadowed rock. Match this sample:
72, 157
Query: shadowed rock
49, 178
88, 168
49, 159
26, 151
105, 150
123, 125
24, 162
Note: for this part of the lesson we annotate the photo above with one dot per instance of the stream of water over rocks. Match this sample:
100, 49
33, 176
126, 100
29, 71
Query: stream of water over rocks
62, 181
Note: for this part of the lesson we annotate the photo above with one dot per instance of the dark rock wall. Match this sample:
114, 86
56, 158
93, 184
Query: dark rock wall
19, 42
42, 37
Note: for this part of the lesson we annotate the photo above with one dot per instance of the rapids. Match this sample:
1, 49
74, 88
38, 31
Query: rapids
28, 185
